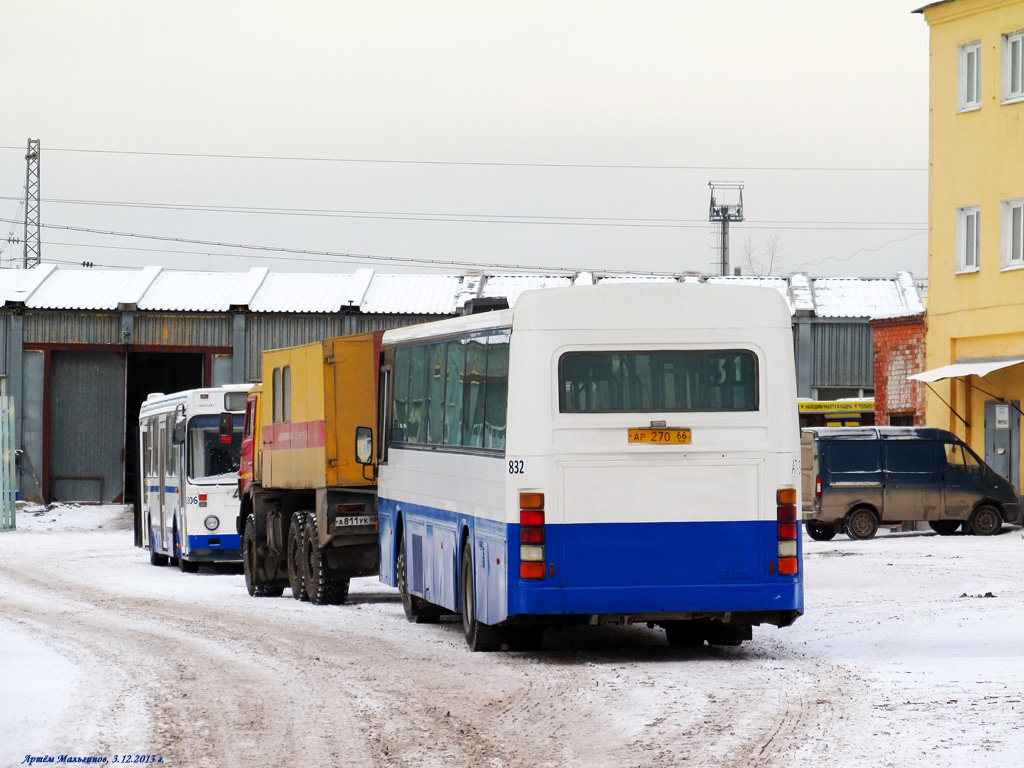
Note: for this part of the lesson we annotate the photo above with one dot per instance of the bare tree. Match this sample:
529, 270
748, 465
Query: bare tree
764, 260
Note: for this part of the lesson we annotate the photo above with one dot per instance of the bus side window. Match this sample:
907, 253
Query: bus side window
475, 381
170, 449
496, 402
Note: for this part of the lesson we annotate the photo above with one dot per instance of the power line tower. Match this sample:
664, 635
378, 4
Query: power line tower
721, 214
32, 242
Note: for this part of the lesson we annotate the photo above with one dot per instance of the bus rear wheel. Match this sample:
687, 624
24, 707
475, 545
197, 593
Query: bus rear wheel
320, 587
861, 524
479, 637
296, 533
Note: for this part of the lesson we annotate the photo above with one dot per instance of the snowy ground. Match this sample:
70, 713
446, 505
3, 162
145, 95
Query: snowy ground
911, 653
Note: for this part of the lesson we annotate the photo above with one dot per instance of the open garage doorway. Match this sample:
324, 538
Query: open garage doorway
150, 372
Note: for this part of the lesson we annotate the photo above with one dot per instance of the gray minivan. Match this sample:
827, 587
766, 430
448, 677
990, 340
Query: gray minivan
856, 478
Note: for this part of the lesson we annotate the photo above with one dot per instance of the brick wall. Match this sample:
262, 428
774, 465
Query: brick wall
899, 352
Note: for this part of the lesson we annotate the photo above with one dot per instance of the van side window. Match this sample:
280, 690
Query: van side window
910, 456
853, 456
959, 460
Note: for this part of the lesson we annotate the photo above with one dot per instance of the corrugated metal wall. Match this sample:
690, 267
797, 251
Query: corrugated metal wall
87, 396
843, 354
183, 330
72, 328
275, 331
5, 335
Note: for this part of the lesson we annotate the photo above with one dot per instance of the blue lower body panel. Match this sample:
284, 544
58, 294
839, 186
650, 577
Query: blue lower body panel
215, 549
595, 568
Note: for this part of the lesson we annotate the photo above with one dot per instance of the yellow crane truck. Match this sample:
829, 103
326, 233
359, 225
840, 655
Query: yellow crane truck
307, 487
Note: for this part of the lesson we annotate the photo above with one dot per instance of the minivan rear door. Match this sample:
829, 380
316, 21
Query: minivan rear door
913, 480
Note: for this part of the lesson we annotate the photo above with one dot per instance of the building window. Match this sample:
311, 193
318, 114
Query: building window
968, 222
1013, 66
969, 77
1012, 227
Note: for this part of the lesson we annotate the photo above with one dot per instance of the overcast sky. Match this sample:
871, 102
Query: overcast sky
435, 135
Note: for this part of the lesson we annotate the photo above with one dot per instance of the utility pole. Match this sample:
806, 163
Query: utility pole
32, 242
723, 213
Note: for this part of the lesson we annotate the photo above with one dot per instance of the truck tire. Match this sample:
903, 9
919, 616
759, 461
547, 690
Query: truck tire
861, 524
321, 589
986, 520
820, 531
296, 545
250, 556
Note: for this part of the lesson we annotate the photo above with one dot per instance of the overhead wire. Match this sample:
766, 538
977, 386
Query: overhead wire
598, 221
621, 166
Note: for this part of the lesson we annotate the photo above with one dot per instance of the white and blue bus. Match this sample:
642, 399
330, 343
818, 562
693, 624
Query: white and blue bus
602, 454
189, 446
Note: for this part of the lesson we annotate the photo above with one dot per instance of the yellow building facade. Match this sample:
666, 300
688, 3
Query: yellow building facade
976, 225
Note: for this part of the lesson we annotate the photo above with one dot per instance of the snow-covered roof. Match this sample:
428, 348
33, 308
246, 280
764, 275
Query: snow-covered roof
413, 294
849, 297
510, 286
365, 291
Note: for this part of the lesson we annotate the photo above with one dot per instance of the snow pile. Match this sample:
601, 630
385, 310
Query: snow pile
73, 517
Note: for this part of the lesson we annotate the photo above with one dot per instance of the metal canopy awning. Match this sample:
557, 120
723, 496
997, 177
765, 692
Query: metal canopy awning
958, 370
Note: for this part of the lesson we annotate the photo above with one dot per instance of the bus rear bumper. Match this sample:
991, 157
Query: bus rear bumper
778, 604
215, 549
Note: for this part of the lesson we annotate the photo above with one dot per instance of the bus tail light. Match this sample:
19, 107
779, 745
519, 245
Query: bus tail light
531, 536
817, 488
788, 530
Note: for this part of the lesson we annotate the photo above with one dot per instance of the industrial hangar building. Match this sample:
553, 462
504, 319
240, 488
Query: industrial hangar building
81, 349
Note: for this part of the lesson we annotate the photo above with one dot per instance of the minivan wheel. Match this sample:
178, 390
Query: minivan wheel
944, 527
986, 521
820, 531
861, 524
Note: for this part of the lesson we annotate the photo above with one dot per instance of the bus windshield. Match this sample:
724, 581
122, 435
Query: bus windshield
208, 457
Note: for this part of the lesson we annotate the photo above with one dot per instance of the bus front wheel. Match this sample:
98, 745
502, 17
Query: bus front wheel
416, 608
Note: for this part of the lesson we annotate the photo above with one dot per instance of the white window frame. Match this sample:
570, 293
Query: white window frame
967, 101
1013, 67
968, 248
1012, 229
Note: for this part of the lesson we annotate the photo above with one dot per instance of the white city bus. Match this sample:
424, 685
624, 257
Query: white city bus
603, 454
189, 445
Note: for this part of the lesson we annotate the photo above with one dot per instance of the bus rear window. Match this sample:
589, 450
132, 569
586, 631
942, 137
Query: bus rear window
628, 382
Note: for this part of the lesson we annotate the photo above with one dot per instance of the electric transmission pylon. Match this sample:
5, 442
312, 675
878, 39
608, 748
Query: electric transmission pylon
724, 213
32, 241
